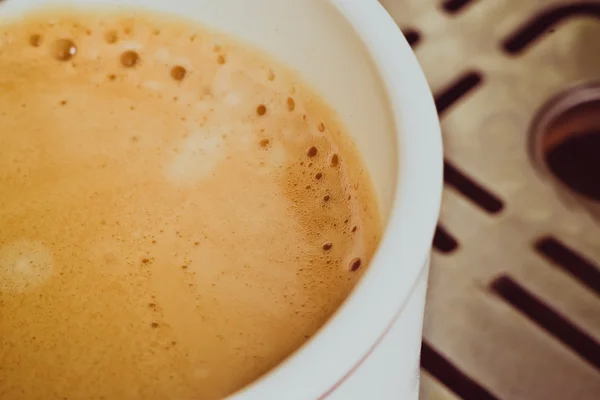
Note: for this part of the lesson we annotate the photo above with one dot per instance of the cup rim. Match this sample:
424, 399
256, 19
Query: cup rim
336, 351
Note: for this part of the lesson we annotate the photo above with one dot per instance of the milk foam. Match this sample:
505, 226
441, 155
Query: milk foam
178, 213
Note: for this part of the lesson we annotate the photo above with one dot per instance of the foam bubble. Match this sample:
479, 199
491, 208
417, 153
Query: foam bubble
178, 72
290, 104
129, 58
334, 160
111, 37
355, 264
35, 40
24, 265
261, 110
64, 49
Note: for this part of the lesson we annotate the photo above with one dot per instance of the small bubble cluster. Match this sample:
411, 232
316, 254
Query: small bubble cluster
324, 206
65, 49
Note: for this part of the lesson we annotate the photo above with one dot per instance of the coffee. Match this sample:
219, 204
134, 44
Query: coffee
178, 212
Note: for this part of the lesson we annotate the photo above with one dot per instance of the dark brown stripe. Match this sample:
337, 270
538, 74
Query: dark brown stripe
471, 189
586, 272
450, 376
443, 241
457, 90
549, 320
543, 23
413, 36
455, 6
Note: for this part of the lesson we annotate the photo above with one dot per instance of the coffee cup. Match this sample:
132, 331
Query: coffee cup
353, 53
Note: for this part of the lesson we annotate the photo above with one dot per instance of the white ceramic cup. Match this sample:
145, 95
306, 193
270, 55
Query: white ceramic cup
353, 53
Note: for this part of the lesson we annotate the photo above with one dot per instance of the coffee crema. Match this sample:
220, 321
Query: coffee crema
178, 212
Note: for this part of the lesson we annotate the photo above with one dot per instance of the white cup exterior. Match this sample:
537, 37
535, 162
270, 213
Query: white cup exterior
353, 53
